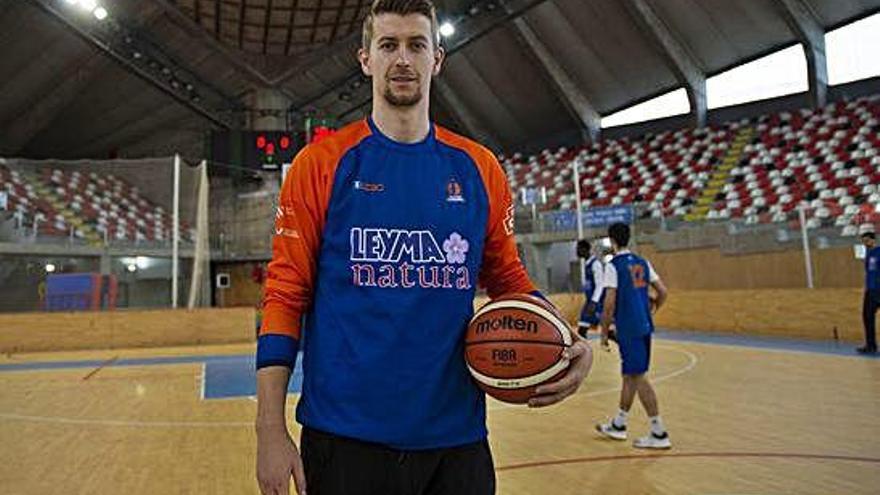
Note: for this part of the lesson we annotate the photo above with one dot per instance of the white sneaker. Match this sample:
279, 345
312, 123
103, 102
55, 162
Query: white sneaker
611, 430
653, 441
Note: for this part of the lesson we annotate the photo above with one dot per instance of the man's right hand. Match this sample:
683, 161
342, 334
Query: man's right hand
278, 459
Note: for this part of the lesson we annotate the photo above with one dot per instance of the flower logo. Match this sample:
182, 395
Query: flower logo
456, 247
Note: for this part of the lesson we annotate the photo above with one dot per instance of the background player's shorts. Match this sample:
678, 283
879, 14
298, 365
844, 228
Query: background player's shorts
635, 354
590, 321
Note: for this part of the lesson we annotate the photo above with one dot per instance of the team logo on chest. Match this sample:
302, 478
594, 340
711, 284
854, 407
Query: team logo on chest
453, 191
392, 258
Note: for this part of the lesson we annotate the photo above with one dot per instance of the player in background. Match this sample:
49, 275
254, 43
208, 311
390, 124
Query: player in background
591, 313
871, 300
629, 306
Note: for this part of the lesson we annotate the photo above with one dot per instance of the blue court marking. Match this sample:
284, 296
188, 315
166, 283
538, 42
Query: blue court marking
225, 376
237, 378
835, 348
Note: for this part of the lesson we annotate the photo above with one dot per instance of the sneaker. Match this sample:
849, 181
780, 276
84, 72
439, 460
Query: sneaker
866, 350
653, 441
612, 431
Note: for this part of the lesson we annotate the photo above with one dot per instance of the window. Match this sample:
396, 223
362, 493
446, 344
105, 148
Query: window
851, 51
778, 74
672, 103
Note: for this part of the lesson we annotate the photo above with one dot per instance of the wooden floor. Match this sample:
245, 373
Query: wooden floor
743, 421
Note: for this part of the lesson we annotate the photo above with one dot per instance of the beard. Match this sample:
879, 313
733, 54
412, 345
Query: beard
402, 100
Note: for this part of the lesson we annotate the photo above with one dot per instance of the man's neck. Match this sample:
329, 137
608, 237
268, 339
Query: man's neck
402, 124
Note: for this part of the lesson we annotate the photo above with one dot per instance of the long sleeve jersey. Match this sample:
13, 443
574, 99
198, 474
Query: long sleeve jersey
379, 247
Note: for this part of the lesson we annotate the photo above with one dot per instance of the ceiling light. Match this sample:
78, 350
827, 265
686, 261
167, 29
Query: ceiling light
100, 13
447, 29
88, 5
50, 268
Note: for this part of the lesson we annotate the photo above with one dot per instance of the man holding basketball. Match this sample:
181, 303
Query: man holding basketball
629, 306
382, 233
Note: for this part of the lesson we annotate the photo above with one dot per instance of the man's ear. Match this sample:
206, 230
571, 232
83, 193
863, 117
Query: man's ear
439, 58
363, 57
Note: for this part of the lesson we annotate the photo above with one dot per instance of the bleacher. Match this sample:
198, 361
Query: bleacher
29, 206
110, 205
829, 158
87, 205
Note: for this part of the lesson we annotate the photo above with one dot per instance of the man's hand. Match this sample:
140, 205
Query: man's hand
277, 460
580, 358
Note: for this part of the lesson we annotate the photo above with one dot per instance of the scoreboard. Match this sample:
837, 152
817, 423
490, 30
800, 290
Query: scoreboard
258, 150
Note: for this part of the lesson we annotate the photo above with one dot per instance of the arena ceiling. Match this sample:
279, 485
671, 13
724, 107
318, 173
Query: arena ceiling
165, 72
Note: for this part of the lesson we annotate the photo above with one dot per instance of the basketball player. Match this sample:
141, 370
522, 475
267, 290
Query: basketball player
591, 313
629, 306
871, 301
382, 233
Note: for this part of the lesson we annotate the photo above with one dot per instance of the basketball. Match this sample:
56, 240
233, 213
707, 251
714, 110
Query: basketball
514, 344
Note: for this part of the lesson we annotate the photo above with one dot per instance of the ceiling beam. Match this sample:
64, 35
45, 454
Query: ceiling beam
266, 20
141, 128
217, 9
804, 24
37, 115
241, 14
339, 11
290, 19
684, 65
315, 21
571, 96
463, 113
97, 35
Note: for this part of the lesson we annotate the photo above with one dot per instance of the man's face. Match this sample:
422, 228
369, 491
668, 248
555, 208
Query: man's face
868, 241
401, 58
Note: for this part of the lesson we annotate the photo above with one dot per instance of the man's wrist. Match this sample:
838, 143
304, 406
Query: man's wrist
270, 425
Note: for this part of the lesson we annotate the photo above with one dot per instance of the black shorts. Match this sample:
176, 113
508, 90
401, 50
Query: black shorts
337, 465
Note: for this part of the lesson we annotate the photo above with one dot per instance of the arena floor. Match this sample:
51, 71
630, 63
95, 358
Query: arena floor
746, 415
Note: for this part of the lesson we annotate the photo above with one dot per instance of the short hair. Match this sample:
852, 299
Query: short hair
400, 7
584, 245
869, 235
619, 233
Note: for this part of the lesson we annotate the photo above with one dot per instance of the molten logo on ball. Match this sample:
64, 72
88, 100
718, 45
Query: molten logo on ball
507, 322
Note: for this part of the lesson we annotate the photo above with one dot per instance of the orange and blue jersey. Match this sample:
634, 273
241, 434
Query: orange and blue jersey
378, 249
631, 275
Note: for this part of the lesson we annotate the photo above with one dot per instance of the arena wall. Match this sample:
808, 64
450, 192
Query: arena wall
710, 269
34, 332
819, 314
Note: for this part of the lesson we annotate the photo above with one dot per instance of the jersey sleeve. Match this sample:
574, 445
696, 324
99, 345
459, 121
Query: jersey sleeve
598, 275
299, 221
653, 276
501, 272
610, 277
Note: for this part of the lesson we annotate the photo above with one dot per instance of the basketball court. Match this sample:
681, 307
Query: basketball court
747, 415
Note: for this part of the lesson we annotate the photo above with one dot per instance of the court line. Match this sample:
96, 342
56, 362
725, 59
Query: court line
726, 455
692, 362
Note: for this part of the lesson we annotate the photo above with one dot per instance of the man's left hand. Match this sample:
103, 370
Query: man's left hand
580, 358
